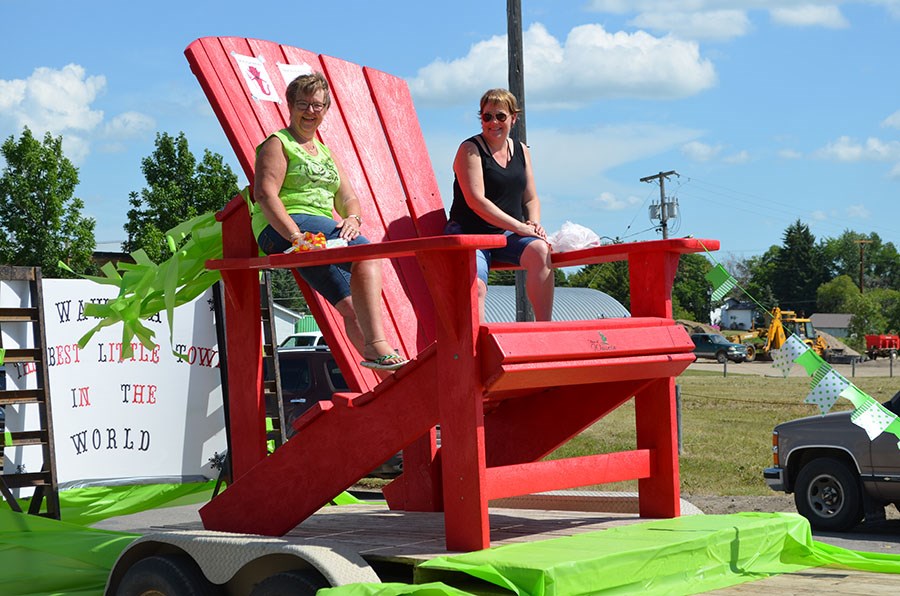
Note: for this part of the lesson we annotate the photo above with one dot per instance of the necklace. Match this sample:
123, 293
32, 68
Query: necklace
308, 146
493, 151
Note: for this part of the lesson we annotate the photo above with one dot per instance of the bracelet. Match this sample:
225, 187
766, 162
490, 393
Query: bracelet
357, 218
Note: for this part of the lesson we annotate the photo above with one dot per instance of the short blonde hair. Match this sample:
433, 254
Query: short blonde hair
501, 96
306, 85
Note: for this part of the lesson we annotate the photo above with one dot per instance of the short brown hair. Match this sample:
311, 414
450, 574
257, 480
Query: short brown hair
306, 85
499, 96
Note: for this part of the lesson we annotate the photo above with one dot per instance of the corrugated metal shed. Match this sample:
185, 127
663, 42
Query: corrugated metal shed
569, 304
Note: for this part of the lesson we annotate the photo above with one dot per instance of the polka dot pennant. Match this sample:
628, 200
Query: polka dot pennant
783, 358
873, 418
827, 390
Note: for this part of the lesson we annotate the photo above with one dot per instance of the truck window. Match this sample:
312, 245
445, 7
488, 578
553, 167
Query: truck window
335, 377
294, 375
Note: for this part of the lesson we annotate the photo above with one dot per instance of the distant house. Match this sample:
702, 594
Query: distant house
736, 314
836, 324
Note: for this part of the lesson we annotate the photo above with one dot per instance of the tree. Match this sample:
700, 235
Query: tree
611, 278
836, 295
40, 219
691, 292
798, 270
178, 189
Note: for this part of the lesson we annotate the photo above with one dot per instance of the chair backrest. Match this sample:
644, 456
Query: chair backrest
372, 128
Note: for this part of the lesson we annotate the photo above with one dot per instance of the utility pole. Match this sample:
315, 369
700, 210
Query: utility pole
862, 244
663, 212
516, 76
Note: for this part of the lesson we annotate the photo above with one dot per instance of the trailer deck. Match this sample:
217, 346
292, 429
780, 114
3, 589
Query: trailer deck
404, 546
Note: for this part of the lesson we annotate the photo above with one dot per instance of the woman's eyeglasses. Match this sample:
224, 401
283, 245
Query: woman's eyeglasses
305, 105
500, 116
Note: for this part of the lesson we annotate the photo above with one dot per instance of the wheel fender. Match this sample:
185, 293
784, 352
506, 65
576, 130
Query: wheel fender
220, 556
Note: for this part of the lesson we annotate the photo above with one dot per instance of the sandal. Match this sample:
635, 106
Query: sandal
386, 362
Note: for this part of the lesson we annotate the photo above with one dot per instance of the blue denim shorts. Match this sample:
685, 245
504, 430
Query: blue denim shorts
511, 253
331, 281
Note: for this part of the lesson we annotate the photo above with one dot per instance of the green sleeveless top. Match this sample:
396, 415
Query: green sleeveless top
310, 183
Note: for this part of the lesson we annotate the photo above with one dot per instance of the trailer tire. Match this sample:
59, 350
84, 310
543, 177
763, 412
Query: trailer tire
165, 575
298, 583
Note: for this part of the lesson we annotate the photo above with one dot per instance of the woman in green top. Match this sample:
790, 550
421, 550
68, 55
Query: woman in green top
298, 184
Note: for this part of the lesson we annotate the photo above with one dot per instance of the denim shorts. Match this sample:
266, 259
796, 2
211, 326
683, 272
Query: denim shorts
331, 281
511, 253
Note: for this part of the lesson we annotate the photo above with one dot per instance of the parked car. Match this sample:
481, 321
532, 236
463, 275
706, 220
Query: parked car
837, 474
304, 339
713, 345
310, 375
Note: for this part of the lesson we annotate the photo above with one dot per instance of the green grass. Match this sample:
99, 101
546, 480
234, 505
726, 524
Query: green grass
727, 427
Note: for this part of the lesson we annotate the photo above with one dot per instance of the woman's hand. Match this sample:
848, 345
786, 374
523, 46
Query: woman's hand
537, 229
349, 228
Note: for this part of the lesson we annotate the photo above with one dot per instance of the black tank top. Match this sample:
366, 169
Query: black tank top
503, 187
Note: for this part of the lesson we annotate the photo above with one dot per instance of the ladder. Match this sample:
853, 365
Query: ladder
277, 435
33, 360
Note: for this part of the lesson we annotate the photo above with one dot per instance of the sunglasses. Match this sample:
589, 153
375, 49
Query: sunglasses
500, 116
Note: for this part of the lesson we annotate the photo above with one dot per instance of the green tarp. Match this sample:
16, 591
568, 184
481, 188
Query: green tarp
686, 555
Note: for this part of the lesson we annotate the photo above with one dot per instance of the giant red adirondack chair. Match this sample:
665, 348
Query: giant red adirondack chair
505, 395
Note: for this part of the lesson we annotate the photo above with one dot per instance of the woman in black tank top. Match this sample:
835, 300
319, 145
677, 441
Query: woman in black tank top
494, 193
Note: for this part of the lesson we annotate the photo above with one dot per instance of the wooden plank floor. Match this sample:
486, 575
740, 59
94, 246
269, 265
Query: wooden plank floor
819, 581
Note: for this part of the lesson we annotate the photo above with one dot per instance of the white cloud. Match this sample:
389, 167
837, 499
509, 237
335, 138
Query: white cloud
607, 201
57, 101
892, 121
789, 154
698, 151
818, 215
128, 125
895, 172
737, 158
846, 149
592, 64
713, 24
857, 212
810, 15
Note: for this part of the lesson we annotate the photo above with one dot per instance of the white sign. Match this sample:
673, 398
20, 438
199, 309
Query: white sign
150, 418
256, 77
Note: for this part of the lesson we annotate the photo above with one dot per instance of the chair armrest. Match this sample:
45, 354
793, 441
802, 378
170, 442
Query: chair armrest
376, 250
622, 252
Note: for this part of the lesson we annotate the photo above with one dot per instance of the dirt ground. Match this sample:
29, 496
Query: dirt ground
716, 505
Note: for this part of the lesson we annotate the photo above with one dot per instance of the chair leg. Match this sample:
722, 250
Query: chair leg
466, 521
658, 496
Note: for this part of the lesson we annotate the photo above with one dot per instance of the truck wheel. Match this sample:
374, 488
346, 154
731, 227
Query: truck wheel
165, 575
751, 353
721, 357
290, 582
828, 494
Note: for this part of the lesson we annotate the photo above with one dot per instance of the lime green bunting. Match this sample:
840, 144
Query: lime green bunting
147, 288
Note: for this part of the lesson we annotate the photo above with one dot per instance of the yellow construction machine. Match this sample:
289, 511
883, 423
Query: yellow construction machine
760, 342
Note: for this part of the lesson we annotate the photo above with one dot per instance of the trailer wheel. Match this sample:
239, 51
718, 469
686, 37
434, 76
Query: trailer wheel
165, 575
297, 583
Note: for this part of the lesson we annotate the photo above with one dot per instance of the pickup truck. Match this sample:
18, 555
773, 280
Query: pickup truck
837, 474
714, 345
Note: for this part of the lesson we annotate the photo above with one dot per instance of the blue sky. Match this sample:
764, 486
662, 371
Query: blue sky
770, 111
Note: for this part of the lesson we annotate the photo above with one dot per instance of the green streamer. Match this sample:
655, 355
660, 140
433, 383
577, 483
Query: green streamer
147, 288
